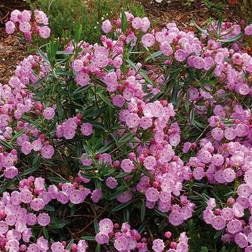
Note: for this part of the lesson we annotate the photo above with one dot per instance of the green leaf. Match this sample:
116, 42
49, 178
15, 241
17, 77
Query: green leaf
52, 48
219, 27
142, 72
69, 245
143, 210
96, 226
230, 40
78, 32
45, 232
121, 206
98, 248
6, 144
105, 99
59, 224
88, 238
204, 249
124, 22
35, 166
153, 56
49, 208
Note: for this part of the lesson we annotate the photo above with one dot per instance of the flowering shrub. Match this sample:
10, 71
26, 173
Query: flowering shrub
28, 24
141, 142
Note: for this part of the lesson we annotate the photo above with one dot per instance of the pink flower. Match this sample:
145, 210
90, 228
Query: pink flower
248, 30
47, 151
166, 48
198, 173
229, 175
218, 223
44, 32
26, 147
145, 24
132, 120
85, 160
24, 27
40, 17
106, 226
124, 197
118, 101
78, 196
26, 196
57, 247
96, 195
148, 40
77, 65
127, 165
137, 23
145, 122
10, 172
105, 158
82, 246
43, 244
241, 240
152, 194
234, 226
3, 227
227, 214
10, 27
180, 55
43, 219
111, 81
111, 182
37, 145
106, 26
175, 217
82, 79
49, 113
15, 16
230, 134
150, 162
25, 16
37, 204
87, 129
217, 159
121, 243
102, 238
217, 134
158, 245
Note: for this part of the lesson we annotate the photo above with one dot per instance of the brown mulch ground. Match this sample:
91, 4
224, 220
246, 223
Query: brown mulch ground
176, 10
12, 51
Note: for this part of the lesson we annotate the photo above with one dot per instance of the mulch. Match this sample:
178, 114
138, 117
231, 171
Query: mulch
182, 14
12, 50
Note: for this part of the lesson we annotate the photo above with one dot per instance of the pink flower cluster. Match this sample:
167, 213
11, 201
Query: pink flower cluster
68, 128
161, 160
127, 239
15, 101
22, 209
230, 219
28, 23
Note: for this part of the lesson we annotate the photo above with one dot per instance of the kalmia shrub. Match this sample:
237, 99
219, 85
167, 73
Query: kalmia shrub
28, 23
141, 142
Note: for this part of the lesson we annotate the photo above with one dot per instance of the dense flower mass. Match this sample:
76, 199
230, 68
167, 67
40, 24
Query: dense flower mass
28, 23
128, 140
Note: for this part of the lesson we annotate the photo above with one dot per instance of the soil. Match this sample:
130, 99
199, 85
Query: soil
12, 50
183, 14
